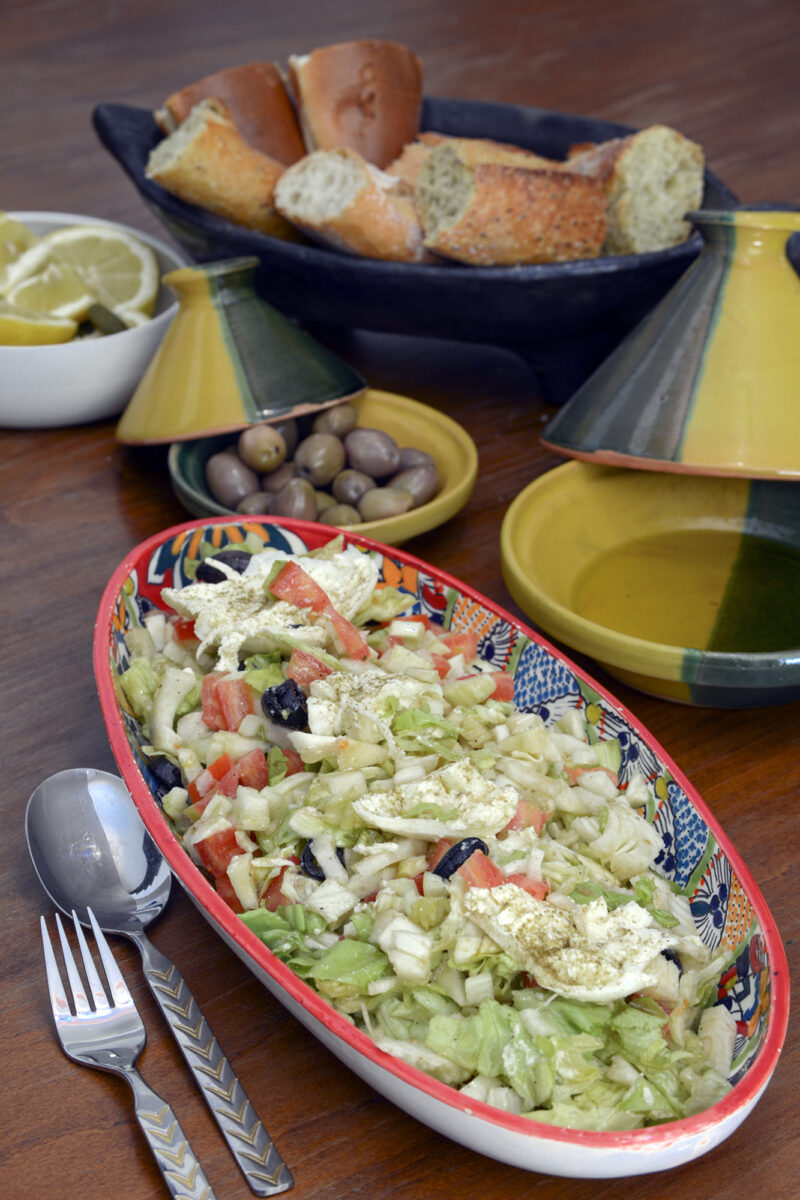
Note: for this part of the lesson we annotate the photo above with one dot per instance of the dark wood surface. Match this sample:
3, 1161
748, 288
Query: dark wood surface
74, 502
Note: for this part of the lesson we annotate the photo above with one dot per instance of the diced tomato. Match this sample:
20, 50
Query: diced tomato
418, 880
442, 664
212, 712
535, 887
527, 816
296, 586
503, 685
183, 630
480, 871
228, 893
253, 770
294, 763
273, 897
229, 782
304, 668
439, 850
347, 638
217, 850
203, 787
235, 697
462, 641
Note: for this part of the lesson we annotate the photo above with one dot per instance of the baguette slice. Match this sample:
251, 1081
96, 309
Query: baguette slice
472, 151
207, 162
651, 179
258, 102
340, 200
495, 214
366, 95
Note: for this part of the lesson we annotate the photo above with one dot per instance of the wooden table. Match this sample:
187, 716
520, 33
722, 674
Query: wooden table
74, 502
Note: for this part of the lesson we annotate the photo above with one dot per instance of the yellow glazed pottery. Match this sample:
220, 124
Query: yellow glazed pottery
230, 360
682, 586
709, 383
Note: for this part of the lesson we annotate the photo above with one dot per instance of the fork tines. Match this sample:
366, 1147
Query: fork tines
120, 996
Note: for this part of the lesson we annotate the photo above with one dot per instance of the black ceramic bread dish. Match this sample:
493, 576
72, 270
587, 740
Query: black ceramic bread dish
562, 318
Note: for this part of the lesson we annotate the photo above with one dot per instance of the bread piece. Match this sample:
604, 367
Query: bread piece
493, 214
472, 151
207, 162
366, 95
338, 199
651, 179
258, 102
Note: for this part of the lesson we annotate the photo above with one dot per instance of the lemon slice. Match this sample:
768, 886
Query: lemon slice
116, 268
15, 239
120, 270
57, 290
20, 328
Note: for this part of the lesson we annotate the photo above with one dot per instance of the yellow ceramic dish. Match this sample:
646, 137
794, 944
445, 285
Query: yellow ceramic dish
408, 421
681, 586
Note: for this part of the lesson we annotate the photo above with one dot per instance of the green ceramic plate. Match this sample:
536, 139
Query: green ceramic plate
408, 421
686, 587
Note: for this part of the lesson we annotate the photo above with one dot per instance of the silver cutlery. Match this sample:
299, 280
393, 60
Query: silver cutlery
89, 846
109, 1035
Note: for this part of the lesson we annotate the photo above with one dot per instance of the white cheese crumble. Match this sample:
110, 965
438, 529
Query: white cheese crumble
588, 953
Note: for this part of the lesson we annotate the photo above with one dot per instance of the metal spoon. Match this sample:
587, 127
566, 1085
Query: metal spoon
90, 848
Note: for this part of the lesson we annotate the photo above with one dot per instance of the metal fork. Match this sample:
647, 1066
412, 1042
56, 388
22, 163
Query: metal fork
111, 1036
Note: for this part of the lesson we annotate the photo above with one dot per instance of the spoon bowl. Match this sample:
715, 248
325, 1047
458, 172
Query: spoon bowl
91, 849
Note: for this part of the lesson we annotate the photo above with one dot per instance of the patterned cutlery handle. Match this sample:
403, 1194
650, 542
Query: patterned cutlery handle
182, 1172
248, 1140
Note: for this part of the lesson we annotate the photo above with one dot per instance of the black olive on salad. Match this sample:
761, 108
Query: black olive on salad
166, 772
457, 855
311, 867
237, 560
285, 704
673, 957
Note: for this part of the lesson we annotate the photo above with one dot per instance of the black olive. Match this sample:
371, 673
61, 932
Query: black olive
672, 956
237, 559
166, 772
457, 855
285, 704
310, 865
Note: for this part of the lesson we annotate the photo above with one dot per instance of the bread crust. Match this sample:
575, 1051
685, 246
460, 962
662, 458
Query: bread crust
365, 95
511, 216
373, 221
207, 162
259, 104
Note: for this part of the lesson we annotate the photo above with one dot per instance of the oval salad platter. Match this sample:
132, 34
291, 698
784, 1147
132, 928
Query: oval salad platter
728, 910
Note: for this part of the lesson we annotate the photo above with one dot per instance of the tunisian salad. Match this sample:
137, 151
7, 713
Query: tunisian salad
467, 885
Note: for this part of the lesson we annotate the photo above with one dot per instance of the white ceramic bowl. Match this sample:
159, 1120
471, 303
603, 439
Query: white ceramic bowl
87, 379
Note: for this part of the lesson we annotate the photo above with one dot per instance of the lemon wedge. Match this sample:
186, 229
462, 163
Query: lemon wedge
21, 328
115, 268
15, 239
57, 291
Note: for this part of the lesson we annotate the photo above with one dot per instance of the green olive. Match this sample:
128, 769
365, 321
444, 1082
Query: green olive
324, 500
289, 432
256, 502
338, 420
262, 447
410, 456
340, 514
296, 500
421, 480
349, 486
279, 478
383, 502
319, 458
229, 479
373, 452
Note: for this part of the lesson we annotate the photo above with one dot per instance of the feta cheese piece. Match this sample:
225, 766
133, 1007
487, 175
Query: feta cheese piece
236, 615
453, 801
332, 901
588, 953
